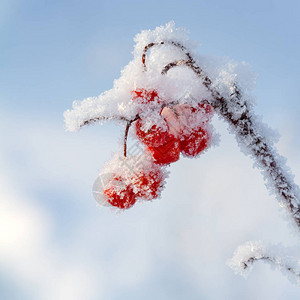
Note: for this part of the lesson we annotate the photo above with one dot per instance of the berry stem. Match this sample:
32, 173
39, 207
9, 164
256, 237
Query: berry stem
129, 122
125, 138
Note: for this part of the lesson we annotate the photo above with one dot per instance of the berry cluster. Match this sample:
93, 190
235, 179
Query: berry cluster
182, 129
166, 132
124, 180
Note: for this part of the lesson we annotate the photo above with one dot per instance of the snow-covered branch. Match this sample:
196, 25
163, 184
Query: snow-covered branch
237, 112
245, 256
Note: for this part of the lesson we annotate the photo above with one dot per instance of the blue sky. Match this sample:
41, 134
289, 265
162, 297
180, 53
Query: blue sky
54, 242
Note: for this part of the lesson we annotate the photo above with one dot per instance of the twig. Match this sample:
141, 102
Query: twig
251, 260
276, 255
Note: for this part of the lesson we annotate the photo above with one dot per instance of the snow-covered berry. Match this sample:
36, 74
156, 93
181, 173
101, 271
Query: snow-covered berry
166, 153
195, 142
155, 136
144, 96
119, 194
148, 183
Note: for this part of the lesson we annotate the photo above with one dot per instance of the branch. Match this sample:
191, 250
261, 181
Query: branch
248, 135
237, 113
246, 255
272, 260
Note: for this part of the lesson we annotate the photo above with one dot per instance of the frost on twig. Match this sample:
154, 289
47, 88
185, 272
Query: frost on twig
246, 255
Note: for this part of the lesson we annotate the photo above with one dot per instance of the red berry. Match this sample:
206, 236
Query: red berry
172, 118
194, 143
119, 194
166, 153
144, 96
148, 184
155, 136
